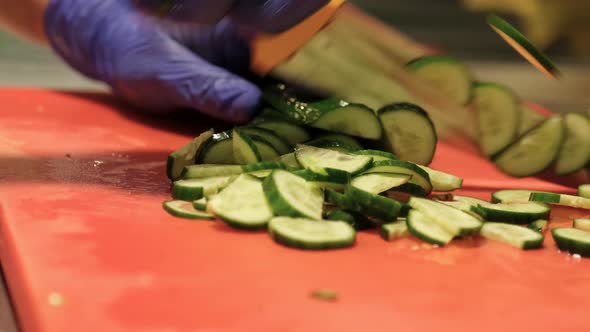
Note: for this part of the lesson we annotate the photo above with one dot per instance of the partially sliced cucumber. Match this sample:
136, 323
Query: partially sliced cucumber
464, 203
244, 149
242, 204
584, 190
513, 213
561, 199
358, 221
582, 224
529, 119
311, 234
394, 230
516, 236
441, 181
377, 183
409, 132
533, 152
277, 142
290, 132
423, 227
351, 119
539, 225
325, 177
200, 204
309, 157
217, 150
184, 209
291, 196
290, 161
419, 176
335, 141
454, 221
185, 155
498, 116
377, 155
369, 204
511, 196
575, 151
446, 74
574, 241
193, 189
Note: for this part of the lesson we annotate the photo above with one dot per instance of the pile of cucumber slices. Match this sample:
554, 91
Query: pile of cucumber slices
312, 178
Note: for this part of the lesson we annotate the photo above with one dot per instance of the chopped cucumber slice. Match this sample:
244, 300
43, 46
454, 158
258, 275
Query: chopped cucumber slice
419, 176
511, 196
423, 227
325, 177
244, 148
311, 234
291, 196
575, 151
584, 190
358, 221
242, 204
394, 230
377, 183
335, 141
209, 170
366, 203
290, 132
539, 225
185, 155
409, 132
561, 199
277, 142
184, 209
441, 181
464, 203
522, 45
516, 236
351, 119
454, 221
533, 152
498, 116
512, 213
377, 155
574, 241
446, 74
529, 119
200, 204
217, 150
582, 224
193, 189
309, 157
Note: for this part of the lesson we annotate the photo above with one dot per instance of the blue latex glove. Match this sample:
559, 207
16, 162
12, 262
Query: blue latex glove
163, 67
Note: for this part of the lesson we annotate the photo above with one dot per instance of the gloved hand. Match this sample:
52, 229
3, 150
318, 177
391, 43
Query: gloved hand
163, 67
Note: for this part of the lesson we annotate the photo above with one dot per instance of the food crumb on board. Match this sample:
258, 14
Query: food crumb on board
324, 294
68, 155
577, 256
55, 299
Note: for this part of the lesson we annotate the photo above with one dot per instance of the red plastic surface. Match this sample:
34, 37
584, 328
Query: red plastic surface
87, 247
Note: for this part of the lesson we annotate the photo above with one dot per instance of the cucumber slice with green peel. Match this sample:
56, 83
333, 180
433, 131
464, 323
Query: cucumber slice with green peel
290, 161
185, 155
209, 170
309, 157
575, 151
512, 213
409, 188
464, 203
278, 143
193, 189
447, 74
539, 225
394, 230
288, 105
311, 234
200, 204
498, 116
184, 209
244, 149
369, 204
582, 224
516, 236
358, 221
325, 177
522, 45
290, 132
423, 227
335, 141
535, 151
529, 119
266, 150
584, 190
351, 119
409, 131
377, 155
511, 196
441, 181
291, 196
376, 183
217, 150
561, 199
419, 176
574, 241
242, 204
454, 221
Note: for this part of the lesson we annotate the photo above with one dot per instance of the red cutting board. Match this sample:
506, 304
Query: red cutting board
87, 247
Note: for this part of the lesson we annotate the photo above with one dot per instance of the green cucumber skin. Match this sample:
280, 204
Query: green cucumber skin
412, 189
279, 205
538, 225
377, 155
203, 157
544, 197
527, 245
377, 206
185, 194
411, 167
335, 176
358, 221
277, 142
335, 140
569, 245
293, 243
420, 235
171, 211
509, 217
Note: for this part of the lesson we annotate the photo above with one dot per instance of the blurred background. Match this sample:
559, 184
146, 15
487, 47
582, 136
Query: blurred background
560, 27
